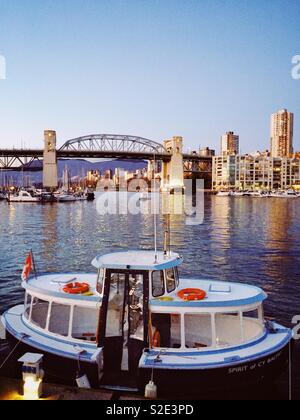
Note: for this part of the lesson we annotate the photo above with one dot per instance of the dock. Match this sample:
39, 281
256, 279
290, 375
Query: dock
10, 390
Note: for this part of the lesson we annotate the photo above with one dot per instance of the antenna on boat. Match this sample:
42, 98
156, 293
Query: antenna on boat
155, 215
167, 235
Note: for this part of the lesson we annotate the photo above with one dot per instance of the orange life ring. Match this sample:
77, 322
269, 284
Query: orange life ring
156, 339
76, 288
192, 294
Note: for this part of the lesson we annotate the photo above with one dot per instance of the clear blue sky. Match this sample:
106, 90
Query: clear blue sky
154, 68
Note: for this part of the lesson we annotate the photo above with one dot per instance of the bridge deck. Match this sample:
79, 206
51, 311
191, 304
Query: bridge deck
12, 159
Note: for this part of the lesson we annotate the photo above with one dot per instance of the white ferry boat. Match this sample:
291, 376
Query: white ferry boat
135, 320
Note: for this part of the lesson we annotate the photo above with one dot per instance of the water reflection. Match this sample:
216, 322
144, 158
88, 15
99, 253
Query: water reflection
281, 234
246, 240
50, 238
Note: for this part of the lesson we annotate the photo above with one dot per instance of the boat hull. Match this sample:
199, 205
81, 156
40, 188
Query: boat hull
58, 369
261, 372
176, 382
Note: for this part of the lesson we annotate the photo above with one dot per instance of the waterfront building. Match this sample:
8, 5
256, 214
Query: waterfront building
259, 171
282, 126
230, 144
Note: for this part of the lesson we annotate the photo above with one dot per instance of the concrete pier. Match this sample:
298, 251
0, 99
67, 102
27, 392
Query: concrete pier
50, 176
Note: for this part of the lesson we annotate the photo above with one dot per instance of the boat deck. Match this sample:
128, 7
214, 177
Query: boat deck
267, 345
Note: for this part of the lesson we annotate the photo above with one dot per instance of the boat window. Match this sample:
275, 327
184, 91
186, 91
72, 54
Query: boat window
115, 314
100, 280
176, 276
252, 325
198, 331
165, 330
27, 306
158, 284
171, 280
251, 314
59, 319
228, 329
85, 321
39, 312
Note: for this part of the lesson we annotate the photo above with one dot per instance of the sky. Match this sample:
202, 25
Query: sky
151, 68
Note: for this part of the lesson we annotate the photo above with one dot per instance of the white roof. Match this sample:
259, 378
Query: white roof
32, 358
53, 284
218, 294
137, 260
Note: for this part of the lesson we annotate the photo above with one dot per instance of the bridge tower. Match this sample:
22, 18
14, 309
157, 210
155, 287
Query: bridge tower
172, 172
50, 179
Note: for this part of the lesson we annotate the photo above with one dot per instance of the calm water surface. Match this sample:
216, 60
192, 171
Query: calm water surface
253, 241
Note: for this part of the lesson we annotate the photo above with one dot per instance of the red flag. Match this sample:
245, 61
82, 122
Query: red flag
27, 267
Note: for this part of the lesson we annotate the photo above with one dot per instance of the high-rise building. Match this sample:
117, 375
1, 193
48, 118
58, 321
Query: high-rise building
230, 144
282, 125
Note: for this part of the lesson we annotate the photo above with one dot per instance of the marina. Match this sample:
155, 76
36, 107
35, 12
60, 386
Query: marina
33, 195
260, 194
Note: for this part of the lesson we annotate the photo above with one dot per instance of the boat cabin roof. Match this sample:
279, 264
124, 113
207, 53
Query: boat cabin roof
218, 295
51, 285
137, 260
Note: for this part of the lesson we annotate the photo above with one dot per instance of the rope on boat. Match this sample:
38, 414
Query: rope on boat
11, 353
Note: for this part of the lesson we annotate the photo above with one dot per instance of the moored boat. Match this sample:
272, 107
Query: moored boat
66, 198
284, 194
23, 197
3, 196
135, 320
224, 193
240, 193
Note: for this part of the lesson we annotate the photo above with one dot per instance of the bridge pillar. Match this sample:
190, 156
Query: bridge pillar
172, 172
50, 177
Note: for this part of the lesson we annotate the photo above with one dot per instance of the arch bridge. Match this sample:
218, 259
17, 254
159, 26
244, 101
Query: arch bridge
110, 146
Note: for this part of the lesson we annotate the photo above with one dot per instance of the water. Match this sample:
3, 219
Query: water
246, 240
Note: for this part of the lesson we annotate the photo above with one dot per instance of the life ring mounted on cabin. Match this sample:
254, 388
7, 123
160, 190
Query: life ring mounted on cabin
76, 288
191, 294
156, 339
